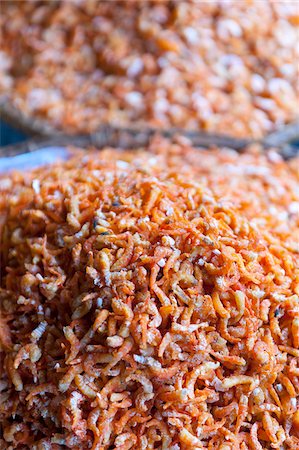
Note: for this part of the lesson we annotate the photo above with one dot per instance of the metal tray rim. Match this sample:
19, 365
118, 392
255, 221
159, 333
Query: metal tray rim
128, 138
41, 128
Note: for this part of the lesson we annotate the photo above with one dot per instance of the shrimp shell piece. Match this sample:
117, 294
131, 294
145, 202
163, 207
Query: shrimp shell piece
189, 439
203, 370
41, 389
37, 333
14, 374
144, 381
155, 288
236, 380
240, 302
287, 384
264, 310
66, 380
74, 341
242, 412
112, 385
104, 264
114, 341
124, 260
167, 339
122, 351
267, 421
165, 435
125, 441
29, 351
291, 350
74, 401
223, 322
219, 308
230, 359
101, 317
82, 310
92, 420
253, 437
119, 307
84, 387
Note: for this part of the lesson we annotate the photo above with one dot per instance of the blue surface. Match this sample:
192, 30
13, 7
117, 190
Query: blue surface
44, 156
9, 135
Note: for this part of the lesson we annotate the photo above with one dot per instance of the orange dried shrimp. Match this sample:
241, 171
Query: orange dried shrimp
149, 300
222, 66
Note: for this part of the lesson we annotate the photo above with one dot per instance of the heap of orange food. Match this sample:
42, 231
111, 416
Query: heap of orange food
150, 300
221, 66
